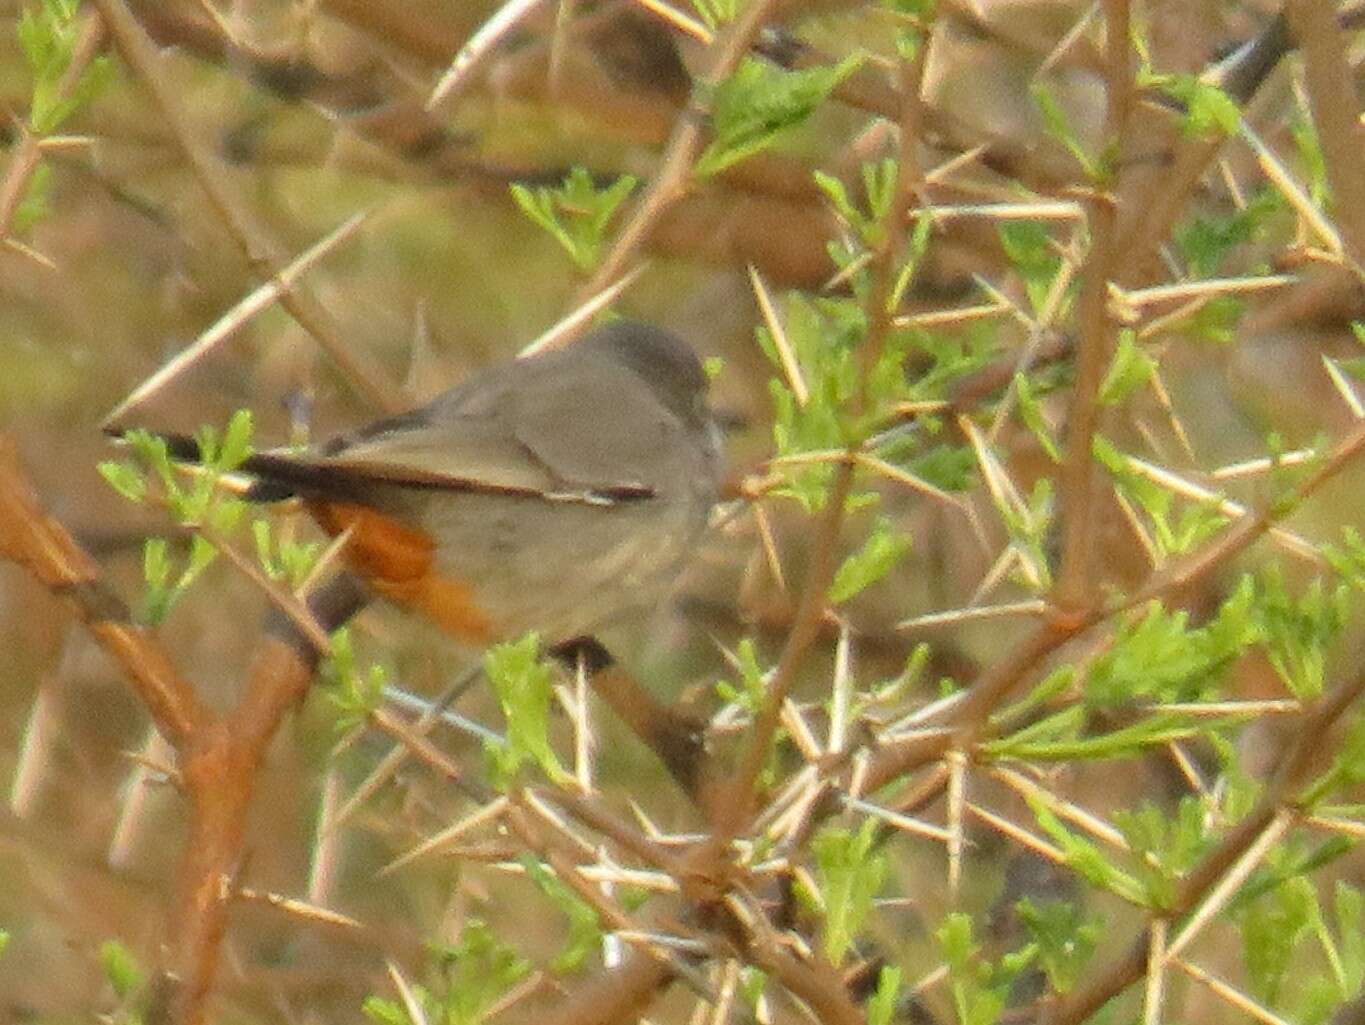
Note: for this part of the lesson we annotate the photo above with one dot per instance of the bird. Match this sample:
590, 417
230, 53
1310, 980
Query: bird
556, 493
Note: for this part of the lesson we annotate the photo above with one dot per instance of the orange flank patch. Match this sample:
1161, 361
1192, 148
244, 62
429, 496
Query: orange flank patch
396, 561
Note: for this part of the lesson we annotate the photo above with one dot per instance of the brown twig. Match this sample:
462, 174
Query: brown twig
218, 756
219, 765
1336, 113
265, 255
684, 145
735, 810
1080, 481
41, 545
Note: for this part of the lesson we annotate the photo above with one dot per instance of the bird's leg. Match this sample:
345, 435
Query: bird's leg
676, 738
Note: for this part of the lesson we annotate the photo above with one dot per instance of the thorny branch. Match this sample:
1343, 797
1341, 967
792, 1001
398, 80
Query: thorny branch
218, 757
1080, 483
266, 257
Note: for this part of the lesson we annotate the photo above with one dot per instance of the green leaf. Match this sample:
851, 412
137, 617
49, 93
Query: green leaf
1031, 412
881, 1008
125, 479
1349, 906
1210, 113
236, 441
156, 574
1064, 937
576, 213
522, 682
1058, 125
384, 1011
120, 968
884, 547
585, 931
1029, 247
37, 201
752, 688
759, 103
850, 871
1130, 370
1309, 146
717, 12
1086, 859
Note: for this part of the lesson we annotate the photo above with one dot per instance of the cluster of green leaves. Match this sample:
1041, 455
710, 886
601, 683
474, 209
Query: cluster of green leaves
850, 870
1302, 962
1176, 527
198, 502
353, 690
1062, 939
825, 335
1161, 658
48, 33
1207, 111
523, 683
980, 987
1034, 256
751, 689
1206, 240
1155, 659
1061, 942
760, 103
576, 213
468, 977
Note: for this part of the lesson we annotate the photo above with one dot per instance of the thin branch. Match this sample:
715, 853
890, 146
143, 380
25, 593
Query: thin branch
670, 181
479, 47
266, 256
1080, 480
1336, 113
41, 545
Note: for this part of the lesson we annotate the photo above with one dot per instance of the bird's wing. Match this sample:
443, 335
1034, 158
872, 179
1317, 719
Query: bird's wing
590, 434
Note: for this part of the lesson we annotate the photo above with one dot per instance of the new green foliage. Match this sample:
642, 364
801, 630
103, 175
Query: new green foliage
523, 682
759, 103
576, 213
850, 870
467, 978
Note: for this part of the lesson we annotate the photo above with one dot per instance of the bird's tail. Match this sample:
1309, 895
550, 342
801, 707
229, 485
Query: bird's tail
270, 476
